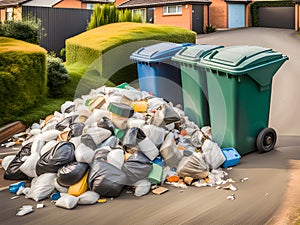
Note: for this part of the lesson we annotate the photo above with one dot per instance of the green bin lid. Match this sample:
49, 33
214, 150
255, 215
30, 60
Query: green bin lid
192, 54
245, 60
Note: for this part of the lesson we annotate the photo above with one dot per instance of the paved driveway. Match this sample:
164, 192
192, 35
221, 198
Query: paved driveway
285, 104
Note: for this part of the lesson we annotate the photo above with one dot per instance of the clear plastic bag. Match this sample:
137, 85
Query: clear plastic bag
67, 201
84, 154
213, 154
170, 152
142, 187
28, 167
88, 198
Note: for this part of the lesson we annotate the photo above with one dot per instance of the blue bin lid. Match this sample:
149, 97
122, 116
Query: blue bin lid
192, 54
158, 52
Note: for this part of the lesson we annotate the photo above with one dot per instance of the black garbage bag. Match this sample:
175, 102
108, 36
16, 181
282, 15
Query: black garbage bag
76, 129
60, 155
133, 136
65, 123
72, 173
106, 123
101, 153
112, 142
106, 179
13, 171
137, 167
170, 114
88, 141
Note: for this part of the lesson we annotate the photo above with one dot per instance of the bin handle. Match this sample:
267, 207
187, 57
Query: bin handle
214, 52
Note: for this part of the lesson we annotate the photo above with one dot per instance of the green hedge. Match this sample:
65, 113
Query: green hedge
256, 5
23, 80
105, 50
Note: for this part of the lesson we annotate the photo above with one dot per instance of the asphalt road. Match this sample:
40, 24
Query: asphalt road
285, 92
256, 199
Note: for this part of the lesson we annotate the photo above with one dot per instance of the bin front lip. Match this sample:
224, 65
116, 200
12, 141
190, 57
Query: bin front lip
231, 70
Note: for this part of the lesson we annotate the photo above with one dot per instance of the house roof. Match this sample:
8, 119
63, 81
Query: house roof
152, 3
7, 3
42, 3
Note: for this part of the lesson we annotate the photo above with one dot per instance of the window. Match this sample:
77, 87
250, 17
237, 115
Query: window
141, 12
172, 10
90, 6
9, 13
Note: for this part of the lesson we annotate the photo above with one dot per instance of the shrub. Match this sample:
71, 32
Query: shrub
23, 80
108, 13
210, 29
106, 50
25, 30
57, 76
62, 54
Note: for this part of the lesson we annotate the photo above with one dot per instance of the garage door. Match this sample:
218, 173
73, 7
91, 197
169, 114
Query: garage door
276, 17
236, 15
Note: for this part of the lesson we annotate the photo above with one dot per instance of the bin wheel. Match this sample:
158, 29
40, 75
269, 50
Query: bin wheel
266, 140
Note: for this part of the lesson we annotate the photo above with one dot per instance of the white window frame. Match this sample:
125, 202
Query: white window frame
9, 14
142, 11
90, 6
178, 10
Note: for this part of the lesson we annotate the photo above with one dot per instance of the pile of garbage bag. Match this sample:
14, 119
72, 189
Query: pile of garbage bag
112, 138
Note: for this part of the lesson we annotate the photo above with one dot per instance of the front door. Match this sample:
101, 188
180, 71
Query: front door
197, 19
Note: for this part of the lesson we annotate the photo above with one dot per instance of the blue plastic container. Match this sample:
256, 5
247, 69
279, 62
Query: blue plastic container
13, 188
157, 73
232, 157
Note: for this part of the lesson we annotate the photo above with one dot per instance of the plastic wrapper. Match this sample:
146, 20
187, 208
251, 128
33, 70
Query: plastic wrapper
142, 187
98, 134
106, 123
72, 173
67, 201
88, 198
84, 154
116, 158
28, 167
6, 161
155, 134
207, 132
13, 171
154, 103
137, 167
193, 166
213, 154
170, 152
197, 138
25, 209
76, 129
148, 148
42, 187
57, 157
63, 124
106, 179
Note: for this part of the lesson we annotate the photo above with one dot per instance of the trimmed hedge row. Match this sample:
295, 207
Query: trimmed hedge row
106, 50
23, 80
256, 5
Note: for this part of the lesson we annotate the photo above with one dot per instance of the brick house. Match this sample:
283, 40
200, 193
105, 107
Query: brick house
191, 15
11, 9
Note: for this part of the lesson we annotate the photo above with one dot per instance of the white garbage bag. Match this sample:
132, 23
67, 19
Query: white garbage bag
155, 134
67, 201
213, 154
142, 187
28, 167
148, 148
84, 154
97, 115
67, 105
88, 198
116, 158
7, 160
49, 135
60, 188
42, 187
48, 146
170, 152
37, 146
133, 122
98, 134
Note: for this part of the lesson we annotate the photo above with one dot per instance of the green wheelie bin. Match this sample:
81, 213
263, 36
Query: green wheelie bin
193, 80
239, 80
